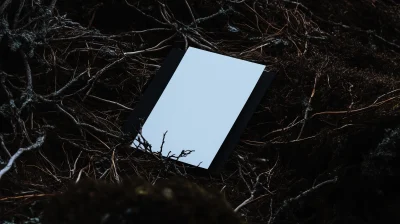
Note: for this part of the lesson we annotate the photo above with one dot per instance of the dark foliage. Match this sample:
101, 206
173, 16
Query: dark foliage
137, 201
71, 72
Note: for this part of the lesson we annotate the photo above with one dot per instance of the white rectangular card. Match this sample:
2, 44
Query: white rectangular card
200, 104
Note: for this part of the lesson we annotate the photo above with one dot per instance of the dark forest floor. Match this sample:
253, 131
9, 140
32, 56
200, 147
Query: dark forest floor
331, 115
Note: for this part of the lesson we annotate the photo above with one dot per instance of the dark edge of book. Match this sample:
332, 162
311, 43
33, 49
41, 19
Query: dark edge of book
233, 137
153, 92
157, 86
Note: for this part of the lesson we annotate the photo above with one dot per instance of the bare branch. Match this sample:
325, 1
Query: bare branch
162, 143
356, 110
254, 189
308, 108
191, 13
4, 145
287, 202
393, 91
39, 142
62, 89
112, 102
203, 19
155, 48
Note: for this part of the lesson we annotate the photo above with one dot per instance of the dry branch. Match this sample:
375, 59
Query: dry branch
68, 72
39, 142
302, 195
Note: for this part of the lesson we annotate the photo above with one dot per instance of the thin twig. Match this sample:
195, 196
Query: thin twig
255, 187
25, 196
191, 13
114, 167
155, 48
4, 146
162, 143
66, 86
80, 174
112, 102
308, 108
203, 19
86, 125
356, 110
393, 91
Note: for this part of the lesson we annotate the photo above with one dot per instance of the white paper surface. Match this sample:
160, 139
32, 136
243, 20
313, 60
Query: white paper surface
200, 104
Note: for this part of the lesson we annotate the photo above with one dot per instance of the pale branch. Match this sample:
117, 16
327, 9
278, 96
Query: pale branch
296, 140
66, 86
39, 142
252, 192
378, 98
308, 108
357, 110
186, 42
200, 44
303, 194
254, 189
111, 102
155, 48
4, 146
129, 33
191, 13
114, 167
203, 39
162, 143
291, 125
203, 19
165, 14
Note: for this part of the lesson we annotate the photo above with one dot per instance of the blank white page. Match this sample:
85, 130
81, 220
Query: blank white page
200, 104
